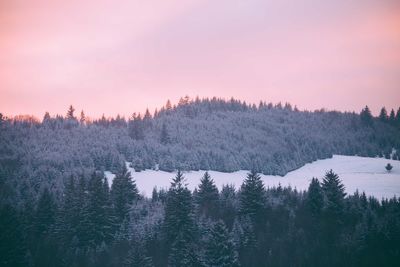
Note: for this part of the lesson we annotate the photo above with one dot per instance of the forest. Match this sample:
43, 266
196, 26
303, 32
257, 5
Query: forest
57, 208
95, 225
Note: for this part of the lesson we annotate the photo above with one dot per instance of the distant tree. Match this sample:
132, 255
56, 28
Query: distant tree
168, 106
383, 115
164, 137
70, 113
252, 196
388, 167
366, 116
220, 250
136, 127
123, 193
46, 117
137, 257
207, 197
82, 119
398, 117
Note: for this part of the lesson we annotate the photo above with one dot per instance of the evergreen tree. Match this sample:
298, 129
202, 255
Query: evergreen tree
137, 257
207, 197
398, 117
383, 115
366, 116
70, 113
334, 194
179, 223
82, 119
252, 196
123, 193
164, 137
97, 218
45, 213
12, 249
220, 249
388, 167
315, 198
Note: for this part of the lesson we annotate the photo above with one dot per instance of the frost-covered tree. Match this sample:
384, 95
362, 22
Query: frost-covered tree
123, 193
207, 197
220, 249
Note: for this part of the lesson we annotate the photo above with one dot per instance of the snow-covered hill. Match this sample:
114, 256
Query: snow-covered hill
364, 174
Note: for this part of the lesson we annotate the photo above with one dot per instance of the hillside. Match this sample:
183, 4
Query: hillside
208, 134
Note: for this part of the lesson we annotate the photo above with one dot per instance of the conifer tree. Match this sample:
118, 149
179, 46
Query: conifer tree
252, 196
207, 197
334, 194
70, 113
366, 116
45, 213
179, 223
164, 137
315, 198
220, 249
123, 193
82, 119
383, 115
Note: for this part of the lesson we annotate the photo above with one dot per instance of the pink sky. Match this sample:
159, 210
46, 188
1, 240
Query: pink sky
112, 57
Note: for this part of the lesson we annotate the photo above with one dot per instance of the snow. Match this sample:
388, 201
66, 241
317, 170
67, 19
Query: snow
365, 174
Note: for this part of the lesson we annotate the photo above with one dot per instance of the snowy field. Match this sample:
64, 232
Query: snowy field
365, 174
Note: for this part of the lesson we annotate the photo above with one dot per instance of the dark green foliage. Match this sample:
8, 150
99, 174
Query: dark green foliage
315, 198
123, 193
383, 117
207, 197
12, 247
366, 116
334, 195
388, 167
45, 213
220, 249
252, 196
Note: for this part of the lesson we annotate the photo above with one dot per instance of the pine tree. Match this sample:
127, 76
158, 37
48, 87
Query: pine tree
45, 213
82, 119
220, 249
334, 194
97, 212
12, 249
252, 196
123, 193
388, 167
70, 113
366, 116
164, 137
207, 197
137, 257
179, 223
398, 118
383, 115
315, 198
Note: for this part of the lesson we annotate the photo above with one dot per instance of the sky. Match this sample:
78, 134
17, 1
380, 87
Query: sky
119, 57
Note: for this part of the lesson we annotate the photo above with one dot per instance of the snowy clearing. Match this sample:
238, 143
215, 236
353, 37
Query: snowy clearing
365, 174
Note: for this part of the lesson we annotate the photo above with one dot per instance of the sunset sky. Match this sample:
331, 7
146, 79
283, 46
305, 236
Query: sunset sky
109, 56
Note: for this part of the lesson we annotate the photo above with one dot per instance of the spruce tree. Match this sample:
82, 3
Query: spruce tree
70, 113
179, 223
123, 193
164, 136
334, 192
207, 197
252, 196
220, 250
315, 198
45, 213
366, 116
383, 115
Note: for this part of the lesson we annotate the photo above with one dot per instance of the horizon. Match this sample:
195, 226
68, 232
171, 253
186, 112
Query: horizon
77, 111
337, 55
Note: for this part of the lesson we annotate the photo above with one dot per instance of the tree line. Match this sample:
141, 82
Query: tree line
94, 224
